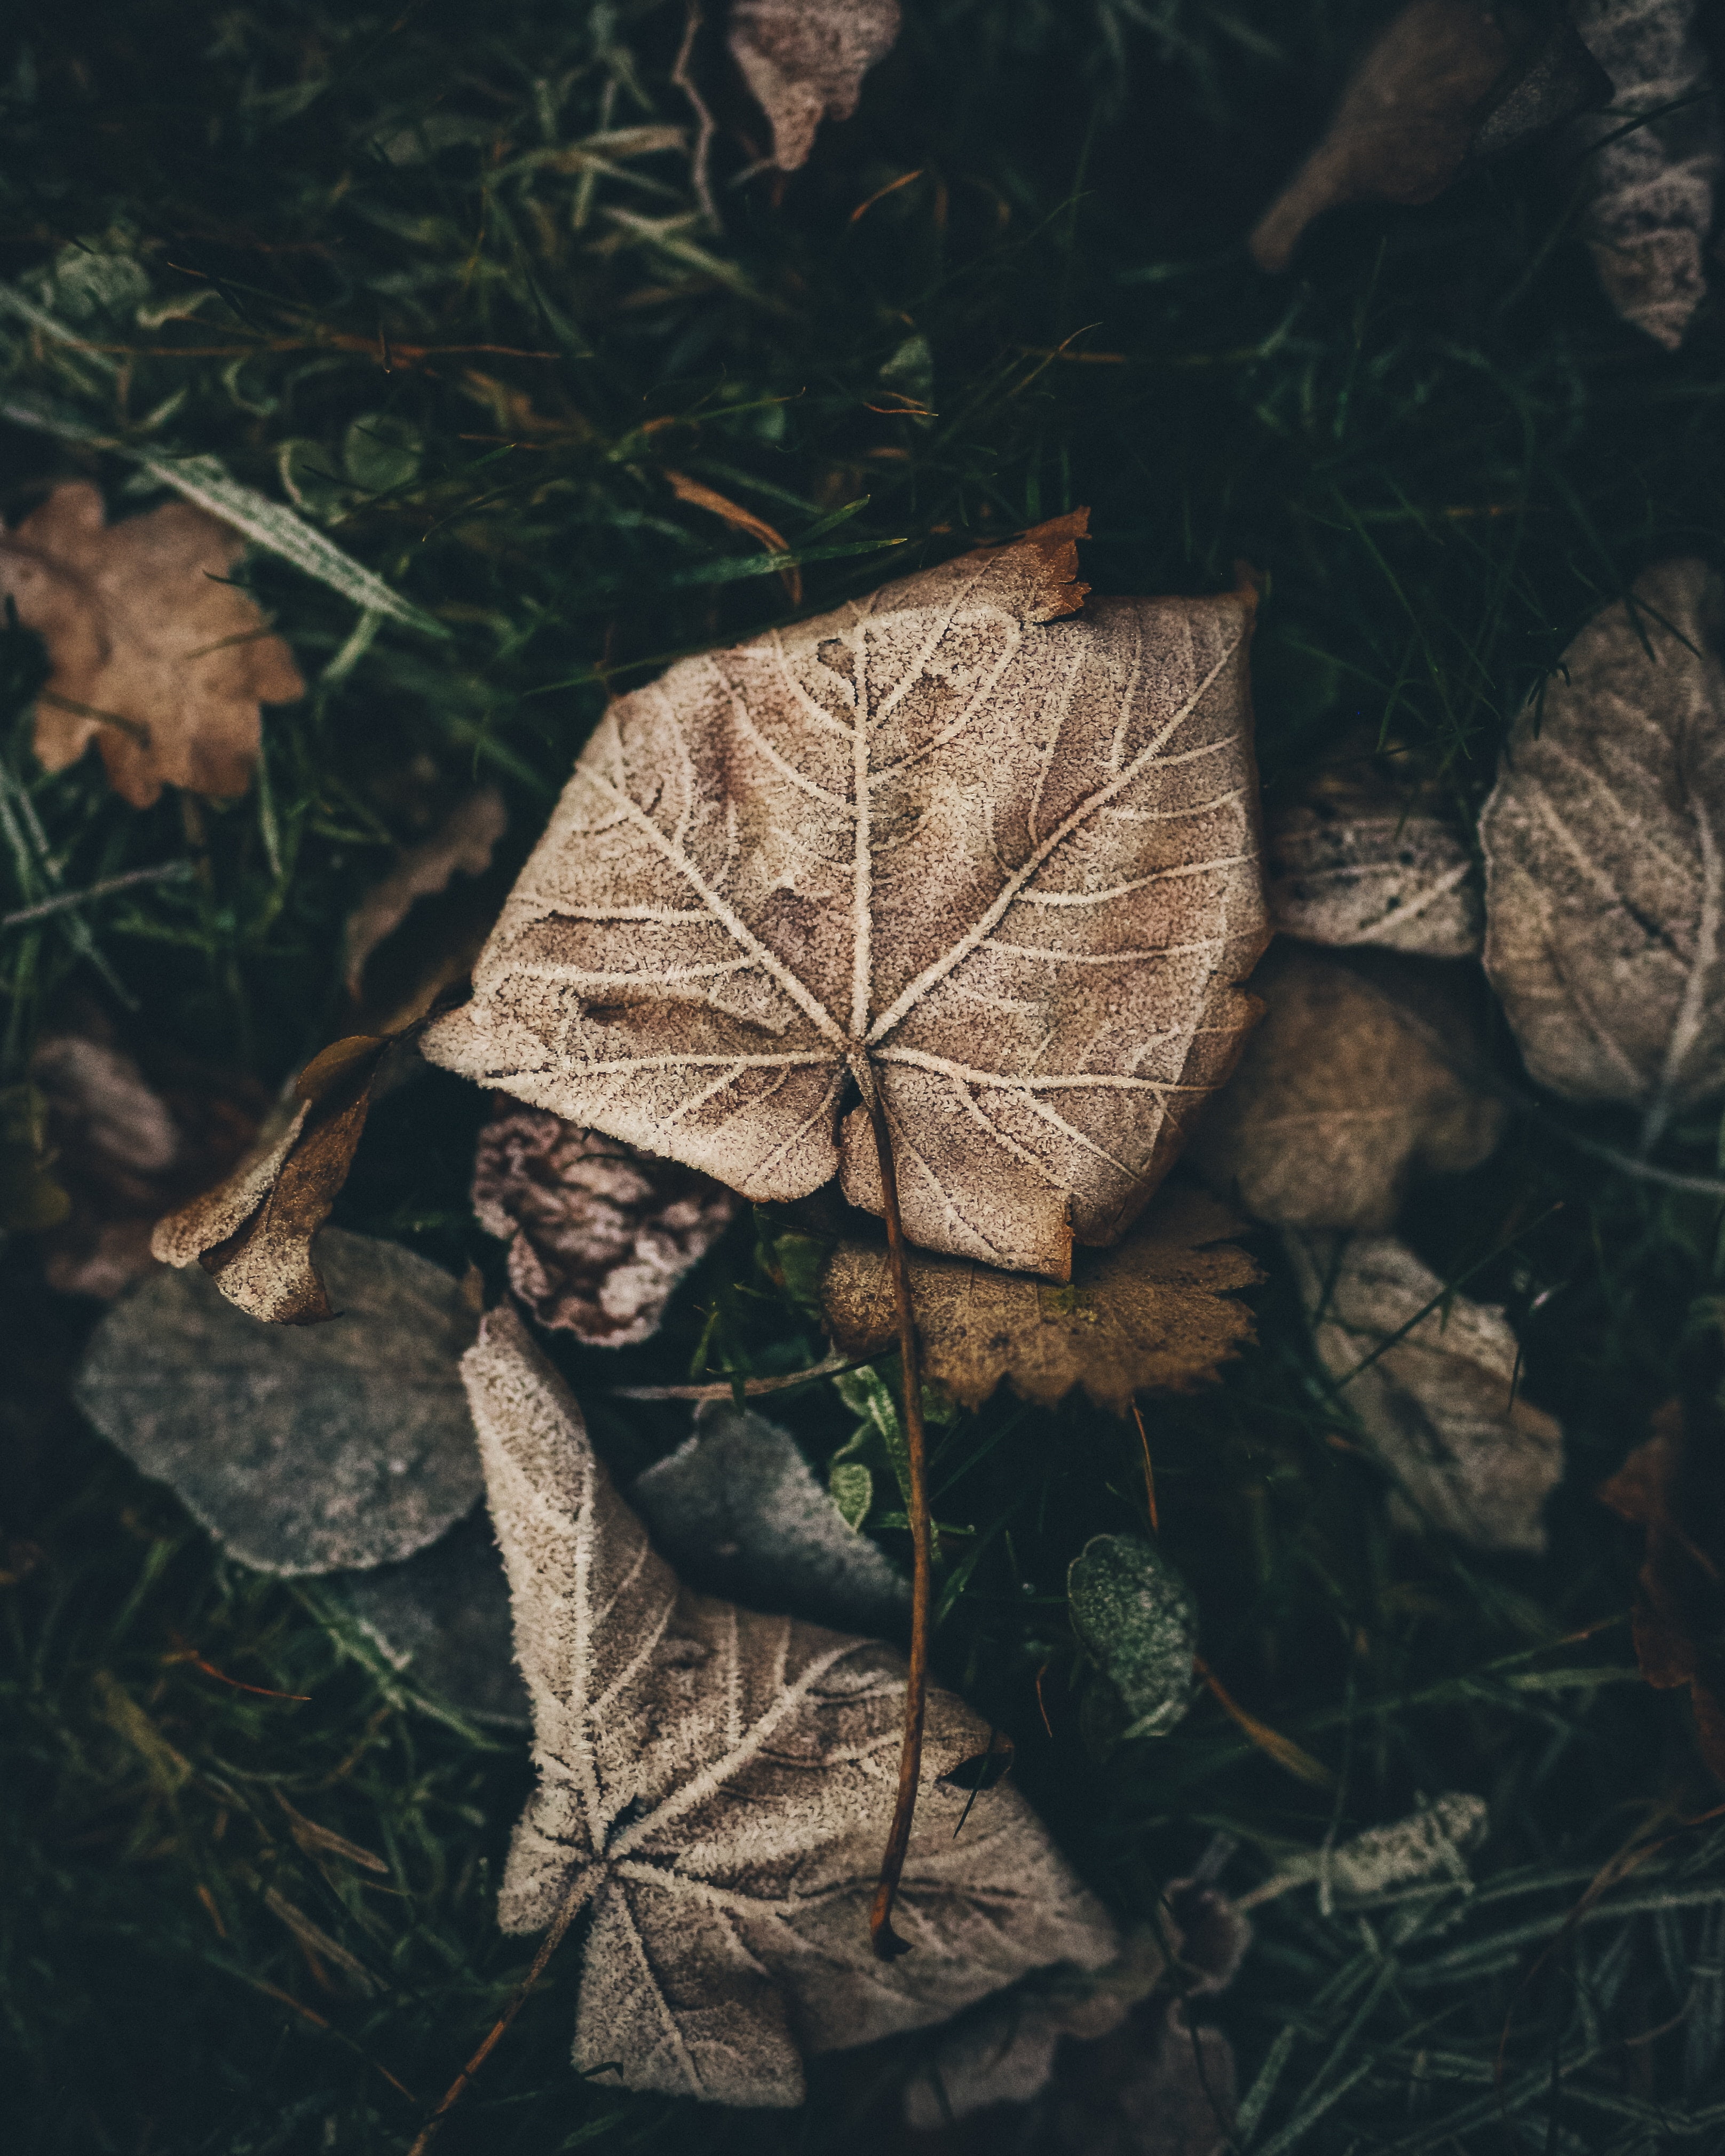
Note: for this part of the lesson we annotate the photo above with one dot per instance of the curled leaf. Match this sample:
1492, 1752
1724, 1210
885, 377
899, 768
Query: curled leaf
1602, 842
805, 59
302, 1450
599, 1235
156, 656
252, 1233
1136, 1616
1156, 1312
1354, 1084
1431, 1377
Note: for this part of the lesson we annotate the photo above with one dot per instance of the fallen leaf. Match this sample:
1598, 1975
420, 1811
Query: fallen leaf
736, 1510
300, 1451
1158, 1313
715, 1788
1353, 1085
599, 1235
1650, 191
252, 1233
462, 845
805, 59
127, 1152
1433, 1392
1443, 84
156, 656
1602, 862
1136, 1617
1671, 1486
1001, 867
1356, 862
1432, 1842
441, 1617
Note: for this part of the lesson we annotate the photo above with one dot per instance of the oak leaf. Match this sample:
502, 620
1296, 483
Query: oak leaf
1001, 866
805, 59
1605, 926
157, 657
1431, 1377
1356, 1082
1156, 1312
1359, 862
714, 1790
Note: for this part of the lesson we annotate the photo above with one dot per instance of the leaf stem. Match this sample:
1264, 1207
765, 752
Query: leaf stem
887, 1942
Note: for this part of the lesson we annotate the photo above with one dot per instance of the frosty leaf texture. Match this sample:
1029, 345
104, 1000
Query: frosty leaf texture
715, 1788
999, 863
805, 59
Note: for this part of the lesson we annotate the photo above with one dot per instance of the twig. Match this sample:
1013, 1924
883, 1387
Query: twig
166, 872
682, 75
887, 1942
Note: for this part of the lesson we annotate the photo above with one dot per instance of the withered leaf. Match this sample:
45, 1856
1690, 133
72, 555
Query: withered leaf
804, 59
300, 1451
599, 1234
1673, 1488
1354, 1084
1444, 82
1001, 863
252, 1233
1435, 1397
715, 1788
1357, 863
157, 657
1158, 1313
1602, 857
1650, 187
461, 844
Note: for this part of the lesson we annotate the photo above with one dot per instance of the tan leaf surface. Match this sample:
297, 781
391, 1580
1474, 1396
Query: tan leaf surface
804, 59
716, 1786
1435, 1401
1604, 845
1156, 1312
1357, 863
155, 658
252, 1233
1003, 864
1350, 1087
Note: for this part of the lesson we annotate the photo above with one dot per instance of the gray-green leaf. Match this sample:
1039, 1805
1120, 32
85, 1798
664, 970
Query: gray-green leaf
1136, 1617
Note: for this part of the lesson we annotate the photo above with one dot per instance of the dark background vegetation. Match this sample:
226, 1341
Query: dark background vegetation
375, 259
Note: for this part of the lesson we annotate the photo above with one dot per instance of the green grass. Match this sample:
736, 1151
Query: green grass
1445, 455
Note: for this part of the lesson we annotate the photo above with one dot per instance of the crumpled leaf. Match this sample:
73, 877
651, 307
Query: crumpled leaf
300, 1451
1354, 1084
736, 1510
1435, 1399
1018, 897
1650, 191
716, 1787
1136, 1616
127, 1152
155, 657
599, 1234
1432, 1842
1672, 1486
1601, 853
804, 59
461, 844
252, 1233
1443, 84
442, 1617
1158, 1313
1356, 862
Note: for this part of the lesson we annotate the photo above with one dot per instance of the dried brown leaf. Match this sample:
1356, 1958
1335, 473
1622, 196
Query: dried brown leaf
1605, 904
1158, 1313
1358, 862
805, 59
462, 845
599, 1235
1444, 82
155, 657
252, 1233
1352, 1086
1434, 1393
1002, 864
715, 1788
1672, 1486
